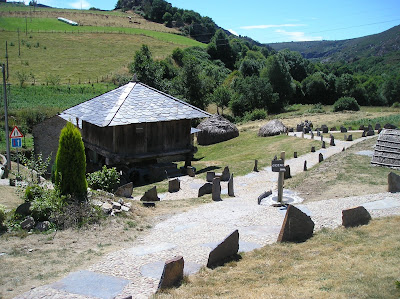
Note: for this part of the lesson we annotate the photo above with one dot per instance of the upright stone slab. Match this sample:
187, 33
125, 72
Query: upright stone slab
377, 126
150, 195
393, 182
349, 138
264, 195
355, 217
286, 174
295, 155
322, 138
313, 149
210, 176
231, 192
225, 174
332, 143
370, 133
224, 251
191, 171
172, 274
320, 157
305, 166
333, 129
362, 127
324, 129
312, 135
323, 144
363, 134
296, 227
125, 190
255, 169
205, 189
302, 134
318, 133
174, 185
343, 130
216, 189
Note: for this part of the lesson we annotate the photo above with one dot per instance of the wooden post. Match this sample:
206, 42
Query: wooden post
280, 180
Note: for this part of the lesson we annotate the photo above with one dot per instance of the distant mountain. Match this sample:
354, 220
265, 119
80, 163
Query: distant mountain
385, 45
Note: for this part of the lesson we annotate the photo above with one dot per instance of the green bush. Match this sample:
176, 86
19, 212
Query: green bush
317, 108
396, 105
71, 163
346, 103
44, 206
256, 114
106, 179
2, 215
33, 192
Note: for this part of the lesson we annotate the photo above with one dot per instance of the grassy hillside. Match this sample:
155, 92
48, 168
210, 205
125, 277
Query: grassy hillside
103, 46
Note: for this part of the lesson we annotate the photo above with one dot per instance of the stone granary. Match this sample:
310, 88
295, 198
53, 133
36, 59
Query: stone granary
134, 123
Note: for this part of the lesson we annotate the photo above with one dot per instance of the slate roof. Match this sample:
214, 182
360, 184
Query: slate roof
132, 103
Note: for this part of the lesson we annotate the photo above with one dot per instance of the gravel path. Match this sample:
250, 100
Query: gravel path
194, 233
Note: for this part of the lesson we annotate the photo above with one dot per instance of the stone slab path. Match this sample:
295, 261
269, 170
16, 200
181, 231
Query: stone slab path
136, 271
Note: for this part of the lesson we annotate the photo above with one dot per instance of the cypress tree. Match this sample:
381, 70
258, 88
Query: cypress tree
70, 176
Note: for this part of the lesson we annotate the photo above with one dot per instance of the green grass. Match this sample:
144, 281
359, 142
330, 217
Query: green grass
392, 119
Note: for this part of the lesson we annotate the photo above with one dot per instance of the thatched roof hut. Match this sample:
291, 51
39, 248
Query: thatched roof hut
271, 128
216, 129
387, 149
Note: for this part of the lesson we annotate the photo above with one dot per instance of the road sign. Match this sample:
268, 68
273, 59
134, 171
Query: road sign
16, 142
15, 133
278, 166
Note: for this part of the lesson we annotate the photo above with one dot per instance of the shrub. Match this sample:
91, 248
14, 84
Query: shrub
71, 163
396, 105
255, 115
44, 206
106, 179
346, 103
2, 215
317, 108
32, 192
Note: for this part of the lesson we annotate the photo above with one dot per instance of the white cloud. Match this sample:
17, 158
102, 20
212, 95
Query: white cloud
80, 4
271, 26
298, 35
233, 32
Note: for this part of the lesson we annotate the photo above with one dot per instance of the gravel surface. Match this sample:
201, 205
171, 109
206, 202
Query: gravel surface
191, 234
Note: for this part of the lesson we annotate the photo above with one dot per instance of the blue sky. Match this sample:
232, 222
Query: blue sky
279, 21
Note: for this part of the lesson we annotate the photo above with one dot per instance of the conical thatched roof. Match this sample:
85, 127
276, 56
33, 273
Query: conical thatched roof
387, 149
271, 128
216, 129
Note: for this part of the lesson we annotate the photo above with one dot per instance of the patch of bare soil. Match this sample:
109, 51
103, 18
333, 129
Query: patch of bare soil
9, 197
345, 174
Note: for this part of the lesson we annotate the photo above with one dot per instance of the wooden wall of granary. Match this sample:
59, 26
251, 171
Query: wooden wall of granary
140, 139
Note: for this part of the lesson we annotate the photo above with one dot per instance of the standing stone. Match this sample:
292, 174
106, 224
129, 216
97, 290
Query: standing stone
305, 166
320, 157
312, 135
302, 134
333, 129
363, 134
191, 171
322, 138
313, 149
370, 133
231, 192
324, 129
296, 227
362, 127
323, 144
318, 133
393, 182
370, 127
216, 189
150, 195
345, 137
125, 190
205, 189
332, 143
172, 274
343, 130
225, 174
377, 126
224, 251
349, 138
255, 166
264, 195
174, 185
295, 154
355, 217
350, 128
286, 174
343, 149
210, 176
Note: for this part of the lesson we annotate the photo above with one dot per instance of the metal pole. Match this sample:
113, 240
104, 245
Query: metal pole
6, 117
280, 180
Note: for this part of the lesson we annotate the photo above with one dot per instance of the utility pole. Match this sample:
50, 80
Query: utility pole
7, 59
3, 70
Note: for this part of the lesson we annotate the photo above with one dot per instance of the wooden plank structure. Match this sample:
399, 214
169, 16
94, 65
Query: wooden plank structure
387, 149
134, 123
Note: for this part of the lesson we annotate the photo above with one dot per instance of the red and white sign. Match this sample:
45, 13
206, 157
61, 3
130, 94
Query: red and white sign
15, 133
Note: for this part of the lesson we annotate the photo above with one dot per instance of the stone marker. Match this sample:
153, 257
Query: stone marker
231, 192
290, 130
370, 133
125, 190
313, 149
377, 126
332, 142
302, 134
205, 189
345, 137
312, 135
362, 127
286, 174
172, 274
363, 134
295, 154
150, 195
370, 127
318, 133
355, 217
210, 176
393, 182
24, 209
191, 171
322, 138
333, 129
349, 138
174, 185
324, 129
216, 189
320, 157
255, 166
343, 130
323, 144
305, 166
225, 174
224, 251
296, 227
264, 195
28, 223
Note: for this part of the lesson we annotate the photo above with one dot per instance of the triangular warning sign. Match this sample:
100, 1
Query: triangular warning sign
15, 133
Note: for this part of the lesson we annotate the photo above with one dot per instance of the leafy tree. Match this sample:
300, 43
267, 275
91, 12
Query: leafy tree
314, 88
192, 84
167, 19
297, 64
71, 163
220, 48
221, 97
